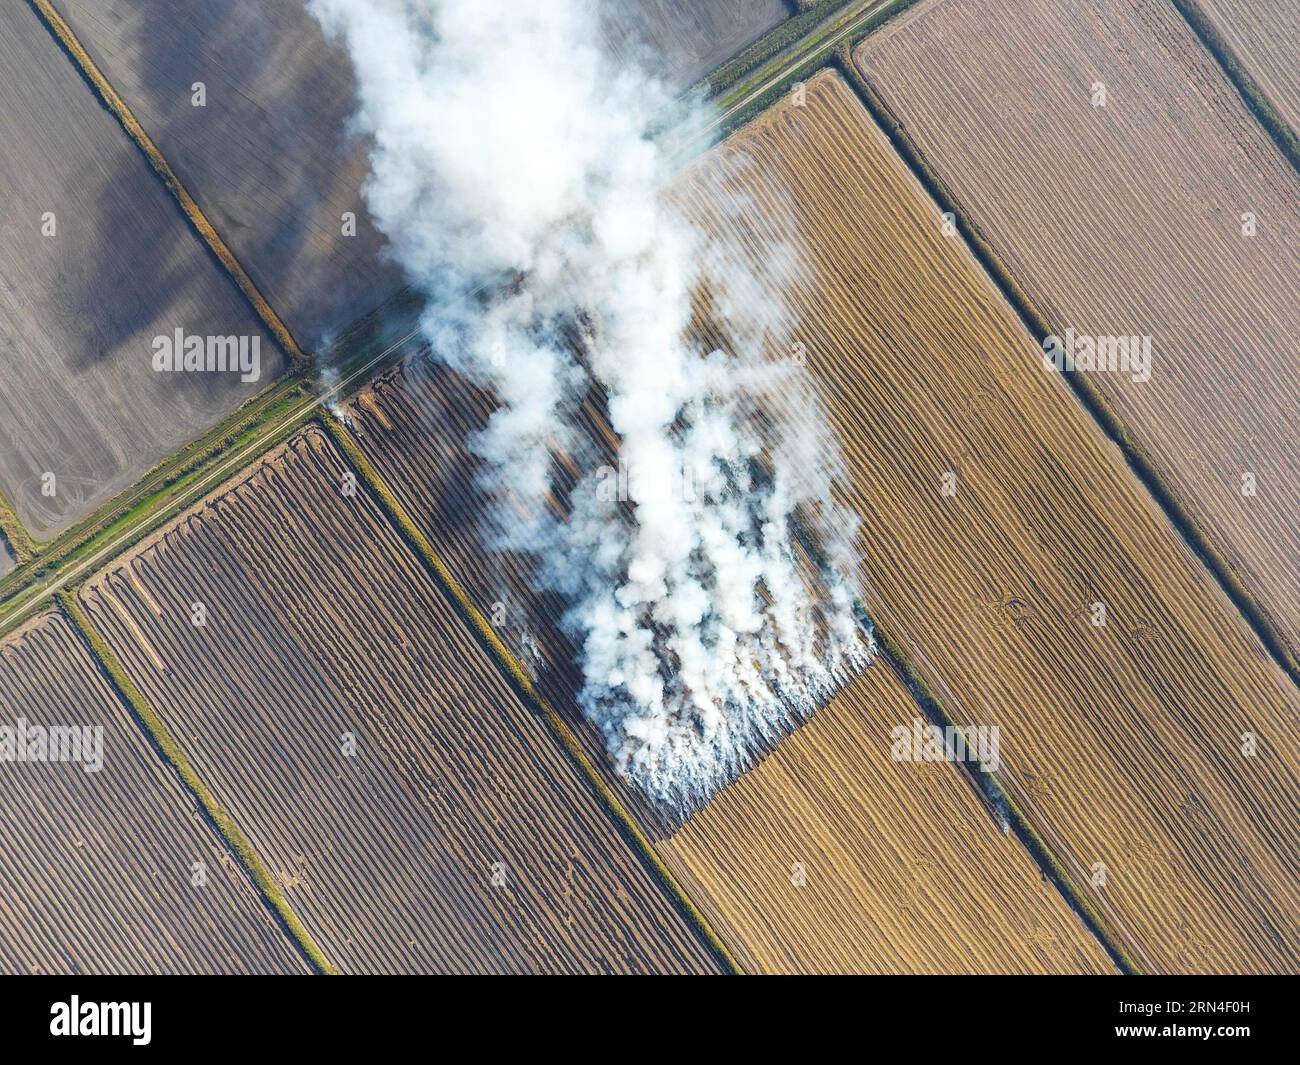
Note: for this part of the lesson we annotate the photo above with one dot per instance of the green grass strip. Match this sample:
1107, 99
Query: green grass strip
810, 52
14, 532
166, 743
420, 544
264, 421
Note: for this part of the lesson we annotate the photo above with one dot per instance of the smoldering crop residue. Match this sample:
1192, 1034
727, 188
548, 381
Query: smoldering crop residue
519, 185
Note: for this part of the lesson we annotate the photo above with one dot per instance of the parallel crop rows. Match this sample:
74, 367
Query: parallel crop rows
828, 797
1262, 35
683, 40
832, 857
115, 870
996, 519
454, 835
1159, 209
97, 263
418, 815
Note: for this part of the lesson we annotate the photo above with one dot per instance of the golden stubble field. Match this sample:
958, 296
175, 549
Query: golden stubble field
1019, 564
1166, 213
417, 815
112, 871
831, 857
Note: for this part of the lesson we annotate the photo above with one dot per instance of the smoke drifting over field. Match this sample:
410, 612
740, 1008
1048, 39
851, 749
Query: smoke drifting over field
517, 185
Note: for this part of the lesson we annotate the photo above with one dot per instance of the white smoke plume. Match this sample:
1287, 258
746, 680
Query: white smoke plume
516, 177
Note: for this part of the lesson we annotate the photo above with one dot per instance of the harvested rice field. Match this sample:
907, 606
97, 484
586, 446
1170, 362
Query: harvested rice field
1166, 213
591, 591
831, 857
111, 869
418, 816
415, 425
96, 263
898, 859
1034, 585
1261, 35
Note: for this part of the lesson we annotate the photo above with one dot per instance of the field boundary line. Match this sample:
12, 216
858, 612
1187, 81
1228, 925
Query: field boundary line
167, 476
1257, 101
801, 18
1084, 390
45, 559
741, 101
996, 799
991, 795
172, 474
119, 108
207, 479
396, 513
166, 744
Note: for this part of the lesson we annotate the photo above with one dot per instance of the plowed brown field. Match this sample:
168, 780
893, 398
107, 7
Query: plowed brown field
1127, 219
1123, 742
269, 156
100, 868
832, 857
95, 262
458, 836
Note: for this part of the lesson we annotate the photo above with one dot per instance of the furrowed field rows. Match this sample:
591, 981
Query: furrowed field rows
96, 264
457, 835
831, 856
112, 870
1165, 213
1146, 735
1262, 36
414, 425
903, 870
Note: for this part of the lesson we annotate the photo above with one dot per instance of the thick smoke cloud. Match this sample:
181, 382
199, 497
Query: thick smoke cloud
517, 184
